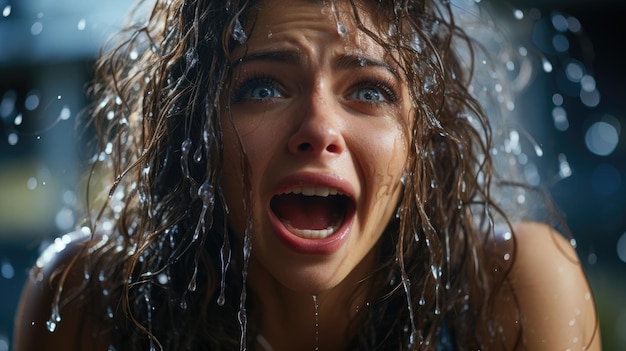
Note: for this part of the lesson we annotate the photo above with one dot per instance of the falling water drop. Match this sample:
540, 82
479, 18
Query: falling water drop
13, 139
197, 155
82, 24
317, 322
36, 28
51, 326
7, 271
6, 11
55, 318
546, 65
65, 113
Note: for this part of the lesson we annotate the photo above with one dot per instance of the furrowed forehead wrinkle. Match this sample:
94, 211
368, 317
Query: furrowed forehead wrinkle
356, 61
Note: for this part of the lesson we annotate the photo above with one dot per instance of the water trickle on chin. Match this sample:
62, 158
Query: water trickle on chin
317, 322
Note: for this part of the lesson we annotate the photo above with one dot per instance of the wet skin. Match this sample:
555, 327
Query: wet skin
315, 109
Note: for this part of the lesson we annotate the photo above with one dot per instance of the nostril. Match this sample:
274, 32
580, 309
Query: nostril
305, 147
332, 148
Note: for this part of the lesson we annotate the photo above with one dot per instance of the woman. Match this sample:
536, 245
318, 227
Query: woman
292, 175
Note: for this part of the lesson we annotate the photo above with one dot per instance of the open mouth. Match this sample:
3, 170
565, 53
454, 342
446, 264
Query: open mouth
312, 212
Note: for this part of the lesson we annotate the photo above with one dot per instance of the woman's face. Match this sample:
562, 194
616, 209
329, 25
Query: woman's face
322, 113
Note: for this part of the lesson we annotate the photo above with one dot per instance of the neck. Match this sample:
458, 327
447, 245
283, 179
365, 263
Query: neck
290, 320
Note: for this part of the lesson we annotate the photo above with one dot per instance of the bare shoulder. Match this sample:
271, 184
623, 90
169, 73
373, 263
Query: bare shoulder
37, 326
554, 296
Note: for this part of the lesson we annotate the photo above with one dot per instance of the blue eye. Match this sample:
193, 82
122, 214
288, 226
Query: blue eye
373, 91
369, 94
263, 92
257, 89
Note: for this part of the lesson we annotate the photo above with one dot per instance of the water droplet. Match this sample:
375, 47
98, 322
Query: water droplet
82, 24
564, 168
13, 139
602, 138
18, 120
238, 33
557, 99
31, 183
590, 98
341, 29
523, 51
7, 270
65, 113
546, 65
163, 279
588, 83
36, 28
32, 100
6, 11
518, 14
574, 71
507, 256
560, 43
573, 24
52, 326
317, 323
559, 22
559, 116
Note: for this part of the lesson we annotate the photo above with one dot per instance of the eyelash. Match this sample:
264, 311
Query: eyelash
252, 82
383, 85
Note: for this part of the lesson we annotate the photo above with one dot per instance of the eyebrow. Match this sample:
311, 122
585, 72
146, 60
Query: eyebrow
286, 56
356, 61
292, 57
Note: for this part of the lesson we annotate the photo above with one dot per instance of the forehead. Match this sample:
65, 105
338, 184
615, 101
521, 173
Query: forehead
336, 20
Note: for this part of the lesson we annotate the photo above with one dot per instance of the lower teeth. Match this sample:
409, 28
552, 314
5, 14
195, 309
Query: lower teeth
311, 233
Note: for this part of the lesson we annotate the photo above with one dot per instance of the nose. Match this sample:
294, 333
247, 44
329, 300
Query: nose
319, 131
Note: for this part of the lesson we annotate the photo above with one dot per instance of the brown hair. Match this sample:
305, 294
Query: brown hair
161, 244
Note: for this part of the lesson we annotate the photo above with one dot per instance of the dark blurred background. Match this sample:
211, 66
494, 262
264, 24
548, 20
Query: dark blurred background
578, 108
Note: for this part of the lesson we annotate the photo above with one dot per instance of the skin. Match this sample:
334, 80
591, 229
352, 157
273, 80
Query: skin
328, 118
317, 122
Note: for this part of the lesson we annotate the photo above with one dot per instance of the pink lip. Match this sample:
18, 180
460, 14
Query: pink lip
314, 246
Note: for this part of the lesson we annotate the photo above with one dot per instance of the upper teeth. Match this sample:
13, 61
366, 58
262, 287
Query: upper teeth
314, 191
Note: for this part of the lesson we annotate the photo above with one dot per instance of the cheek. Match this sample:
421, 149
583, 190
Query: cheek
386, 155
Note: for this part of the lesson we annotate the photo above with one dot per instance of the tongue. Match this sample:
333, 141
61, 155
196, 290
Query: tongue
306, 212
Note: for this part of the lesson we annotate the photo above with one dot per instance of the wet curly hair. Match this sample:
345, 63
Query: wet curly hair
161, 246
